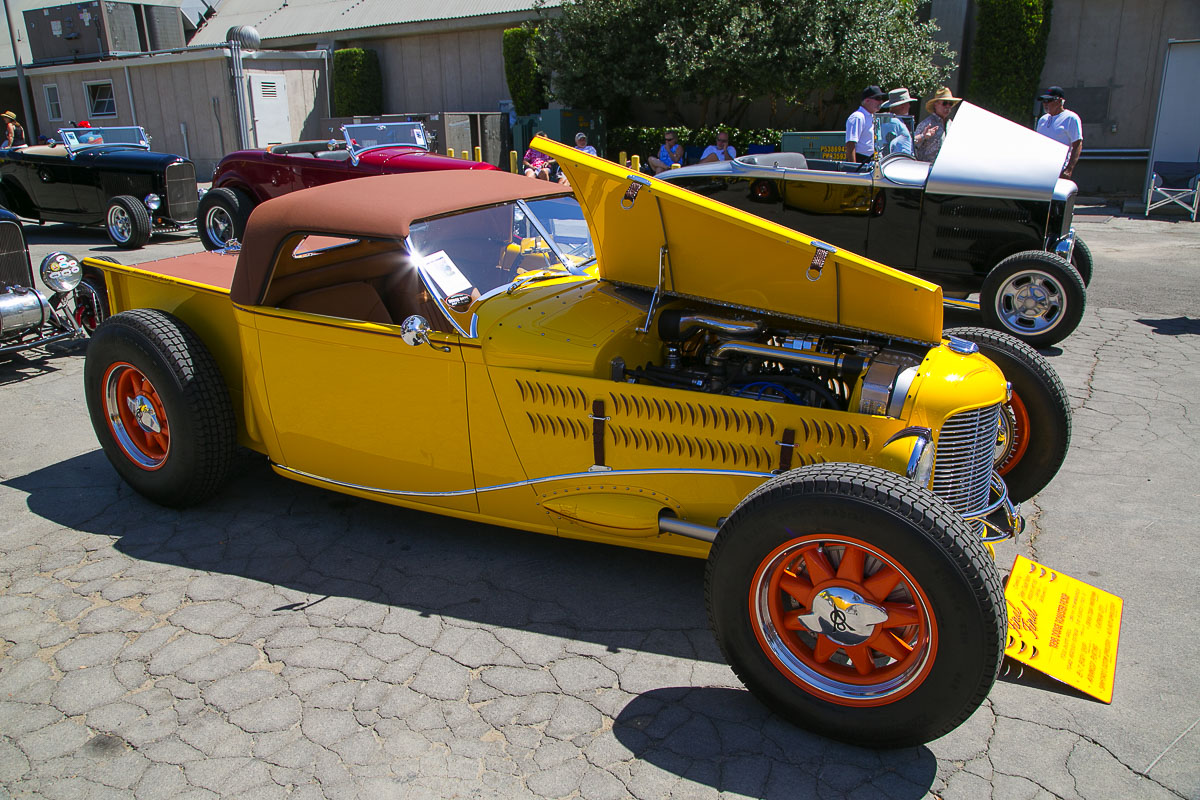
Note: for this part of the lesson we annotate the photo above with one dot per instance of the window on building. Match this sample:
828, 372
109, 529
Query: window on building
101, 100
53, 107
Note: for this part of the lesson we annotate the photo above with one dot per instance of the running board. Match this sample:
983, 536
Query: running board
961, 305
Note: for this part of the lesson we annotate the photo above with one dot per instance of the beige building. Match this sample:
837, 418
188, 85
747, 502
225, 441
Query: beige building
199, 102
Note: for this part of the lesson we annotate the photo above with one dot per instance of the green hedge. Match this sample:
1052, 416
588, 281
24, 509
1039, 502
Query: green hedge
1009, 53
357, 83
646, 141
525, 84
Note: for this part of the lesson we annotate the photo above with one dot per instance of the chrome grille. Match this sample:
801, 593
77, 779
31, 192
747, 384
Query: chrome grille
15, 269
962, 469
181, 191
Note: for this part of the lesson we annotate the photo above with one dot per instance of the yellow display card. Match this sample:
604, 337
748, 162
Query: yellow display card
1063, 627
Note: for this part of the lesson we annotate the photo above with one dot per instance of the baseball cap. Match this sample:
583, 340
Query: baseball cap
1052, 93
873, 91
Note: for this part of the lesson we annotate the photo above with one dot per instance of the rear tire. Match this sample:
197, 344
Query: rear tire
1081, 260
857, 604
222, 216
159, 406
1036, 424
127, 222
1036, 296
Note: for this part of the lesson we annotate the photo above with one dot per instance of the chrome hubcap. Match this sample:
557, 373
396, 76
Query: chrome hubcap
1030, 302
118, 223
843, 615
219, 225
143, 412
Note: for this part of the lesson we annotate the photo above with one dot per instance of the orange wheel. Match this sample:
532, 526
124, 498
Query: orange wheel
858, 604
136, 416
843, 620
1013, 440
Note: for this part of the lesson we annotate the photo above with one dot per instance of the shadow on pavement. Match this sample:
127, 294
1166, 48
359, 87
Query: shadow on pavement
726, 739
324, 544
26, 364
1176, 326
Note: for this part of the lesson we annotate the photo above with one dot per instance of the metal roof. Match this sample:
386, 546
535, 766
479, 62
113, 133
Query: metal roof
277, 19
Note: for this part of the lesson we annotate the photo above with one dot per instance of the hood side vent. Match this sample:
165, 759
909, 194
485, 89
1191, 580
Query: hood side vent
692, 414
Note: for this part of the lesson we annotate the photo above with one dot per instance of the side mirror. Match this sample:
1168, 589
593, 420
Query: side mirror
415, 331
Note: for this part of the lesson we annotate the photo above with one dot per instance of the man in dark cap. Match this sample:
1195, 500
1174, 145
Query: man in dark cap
860, 129
1061, 125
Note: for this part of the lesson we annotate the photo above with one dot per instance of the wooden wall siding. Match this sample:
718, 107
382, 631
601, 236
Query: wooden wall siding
458, 71
169, 94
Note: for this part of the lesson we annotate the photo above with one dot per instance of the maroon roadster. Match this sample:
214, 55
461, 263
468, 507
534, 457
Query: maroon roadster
248, 177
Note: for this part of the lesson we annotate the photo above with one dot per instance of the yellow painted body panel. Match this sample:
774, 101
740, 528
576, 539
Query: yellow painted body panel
719, 253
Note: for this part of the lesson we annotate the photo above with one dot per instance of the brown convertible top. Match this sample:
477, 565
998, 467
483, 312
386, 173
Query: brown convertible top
377, 207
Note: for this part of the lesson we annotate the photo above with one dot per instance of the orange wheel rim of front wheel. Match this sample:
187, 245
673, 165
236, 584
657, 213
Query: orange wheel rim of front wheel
842, 620
1019, 433
136, 416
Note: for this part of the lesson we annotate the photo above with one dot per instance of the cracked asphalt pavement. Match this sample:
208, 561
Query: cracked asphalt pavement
283, 641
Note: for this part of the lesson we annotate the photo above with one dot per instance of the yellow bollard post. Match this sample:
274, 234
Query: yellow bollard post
478, 153
637, 163
676, 166
512, 162
466, 156
450, 152
624, 160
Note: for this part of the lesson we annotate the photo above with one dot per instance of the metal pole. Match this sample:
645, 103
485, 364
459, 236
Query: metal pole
31, 133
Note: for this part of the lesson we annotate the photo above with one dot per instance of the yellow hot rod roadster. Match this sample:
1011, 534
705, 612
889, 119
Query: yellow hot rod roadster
624, 362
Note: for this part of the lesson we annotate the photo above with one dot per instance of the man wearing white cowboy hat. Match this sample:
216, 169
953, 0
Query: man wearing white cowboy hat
932, 130
893, 131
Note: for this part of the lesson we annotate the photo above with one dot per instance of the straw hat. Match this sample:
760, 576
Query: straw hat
9, 115
942, 94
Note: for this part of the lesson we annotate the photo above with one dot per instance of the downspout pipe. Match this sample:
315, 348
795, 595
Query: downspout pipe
239, 93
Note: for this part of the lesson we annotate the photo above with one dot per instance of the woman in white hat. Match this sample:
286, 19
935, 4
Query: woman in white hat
932, 130
14, 134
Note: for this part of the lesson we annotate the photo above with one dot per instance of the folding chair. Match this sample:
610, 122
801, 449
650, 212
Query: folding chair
1175, 182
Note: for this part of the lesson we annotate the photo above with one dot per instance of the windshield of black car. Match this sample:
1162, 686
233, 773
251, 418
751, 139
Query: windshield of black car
379, 134
471, 253
76, 138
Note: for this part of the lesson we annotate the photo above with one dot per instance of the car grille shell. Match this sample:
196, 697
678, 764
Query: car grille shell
963, 465
181, 191
15, 269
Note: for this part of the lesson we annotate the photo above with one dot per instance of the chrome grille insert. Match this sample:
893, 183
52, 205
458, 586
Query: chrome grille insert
962, 470
15, 269
181, 191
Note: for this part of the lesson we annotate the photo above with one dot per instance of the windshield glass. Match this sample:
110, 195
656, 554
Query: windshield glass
467, 255
76, 138
376, 134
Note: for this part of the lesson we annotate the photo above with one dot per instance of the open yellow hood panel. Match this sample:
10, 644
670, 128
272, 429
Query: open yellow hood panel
721, 254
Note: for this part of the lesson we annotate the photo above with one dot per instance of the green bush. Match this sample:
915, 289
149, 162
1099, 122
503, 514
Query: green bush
1009, 53
357, 83
645, 142
525, 84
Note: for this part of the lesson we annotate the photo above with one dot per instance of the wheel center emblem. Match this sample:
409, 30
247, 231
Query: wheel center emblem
1033, 300
143, 412
843, 615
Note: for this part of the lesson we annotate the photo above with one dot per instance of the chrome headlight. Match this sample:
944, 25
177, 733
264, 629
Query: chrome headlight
61, 272
152, 201
919, 468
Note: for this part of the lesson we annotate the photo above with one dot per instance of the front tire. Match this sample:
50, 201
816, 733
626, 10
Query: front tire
159, 406
91, 301
222, 216
1081, 260
857, 604
1036, 296
1035, 427
127, 222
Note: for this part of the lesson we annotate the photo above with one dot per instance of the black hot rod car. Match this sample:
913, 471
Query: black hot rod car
101, 176
989, 215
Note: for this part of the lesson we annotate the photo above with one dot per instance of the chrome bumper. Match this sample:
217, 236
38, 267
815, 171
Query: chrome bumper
1065, 246
1001, 516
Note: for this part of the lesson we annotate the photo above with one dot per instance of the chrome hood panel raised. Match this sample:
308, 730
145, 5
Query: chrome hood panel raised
986, 155
654, 234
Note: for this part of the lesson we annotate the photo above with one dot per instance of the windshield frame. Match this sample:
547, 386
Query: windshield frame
356, 151
69, 137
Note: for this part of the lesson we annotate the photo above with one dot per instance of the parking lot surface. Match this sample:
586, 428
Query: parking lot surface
283, 641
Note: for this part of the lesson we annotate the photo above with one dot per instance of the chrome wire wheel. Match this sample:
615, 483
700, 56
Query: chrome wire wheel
1031, 302
842, 620
136, 416
120, 226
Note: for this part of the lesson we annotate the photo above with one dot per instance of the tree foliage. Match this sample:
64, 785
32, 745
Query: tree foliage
721, 55
1010, 51
357, 83
525, 84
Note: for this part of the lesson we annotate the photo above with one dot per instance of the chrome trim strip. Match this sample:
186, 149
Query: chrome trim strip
530, 482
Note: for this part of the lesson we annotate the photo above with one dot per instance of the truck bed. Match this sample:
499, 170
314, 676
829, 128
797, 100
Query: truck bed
210, 270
